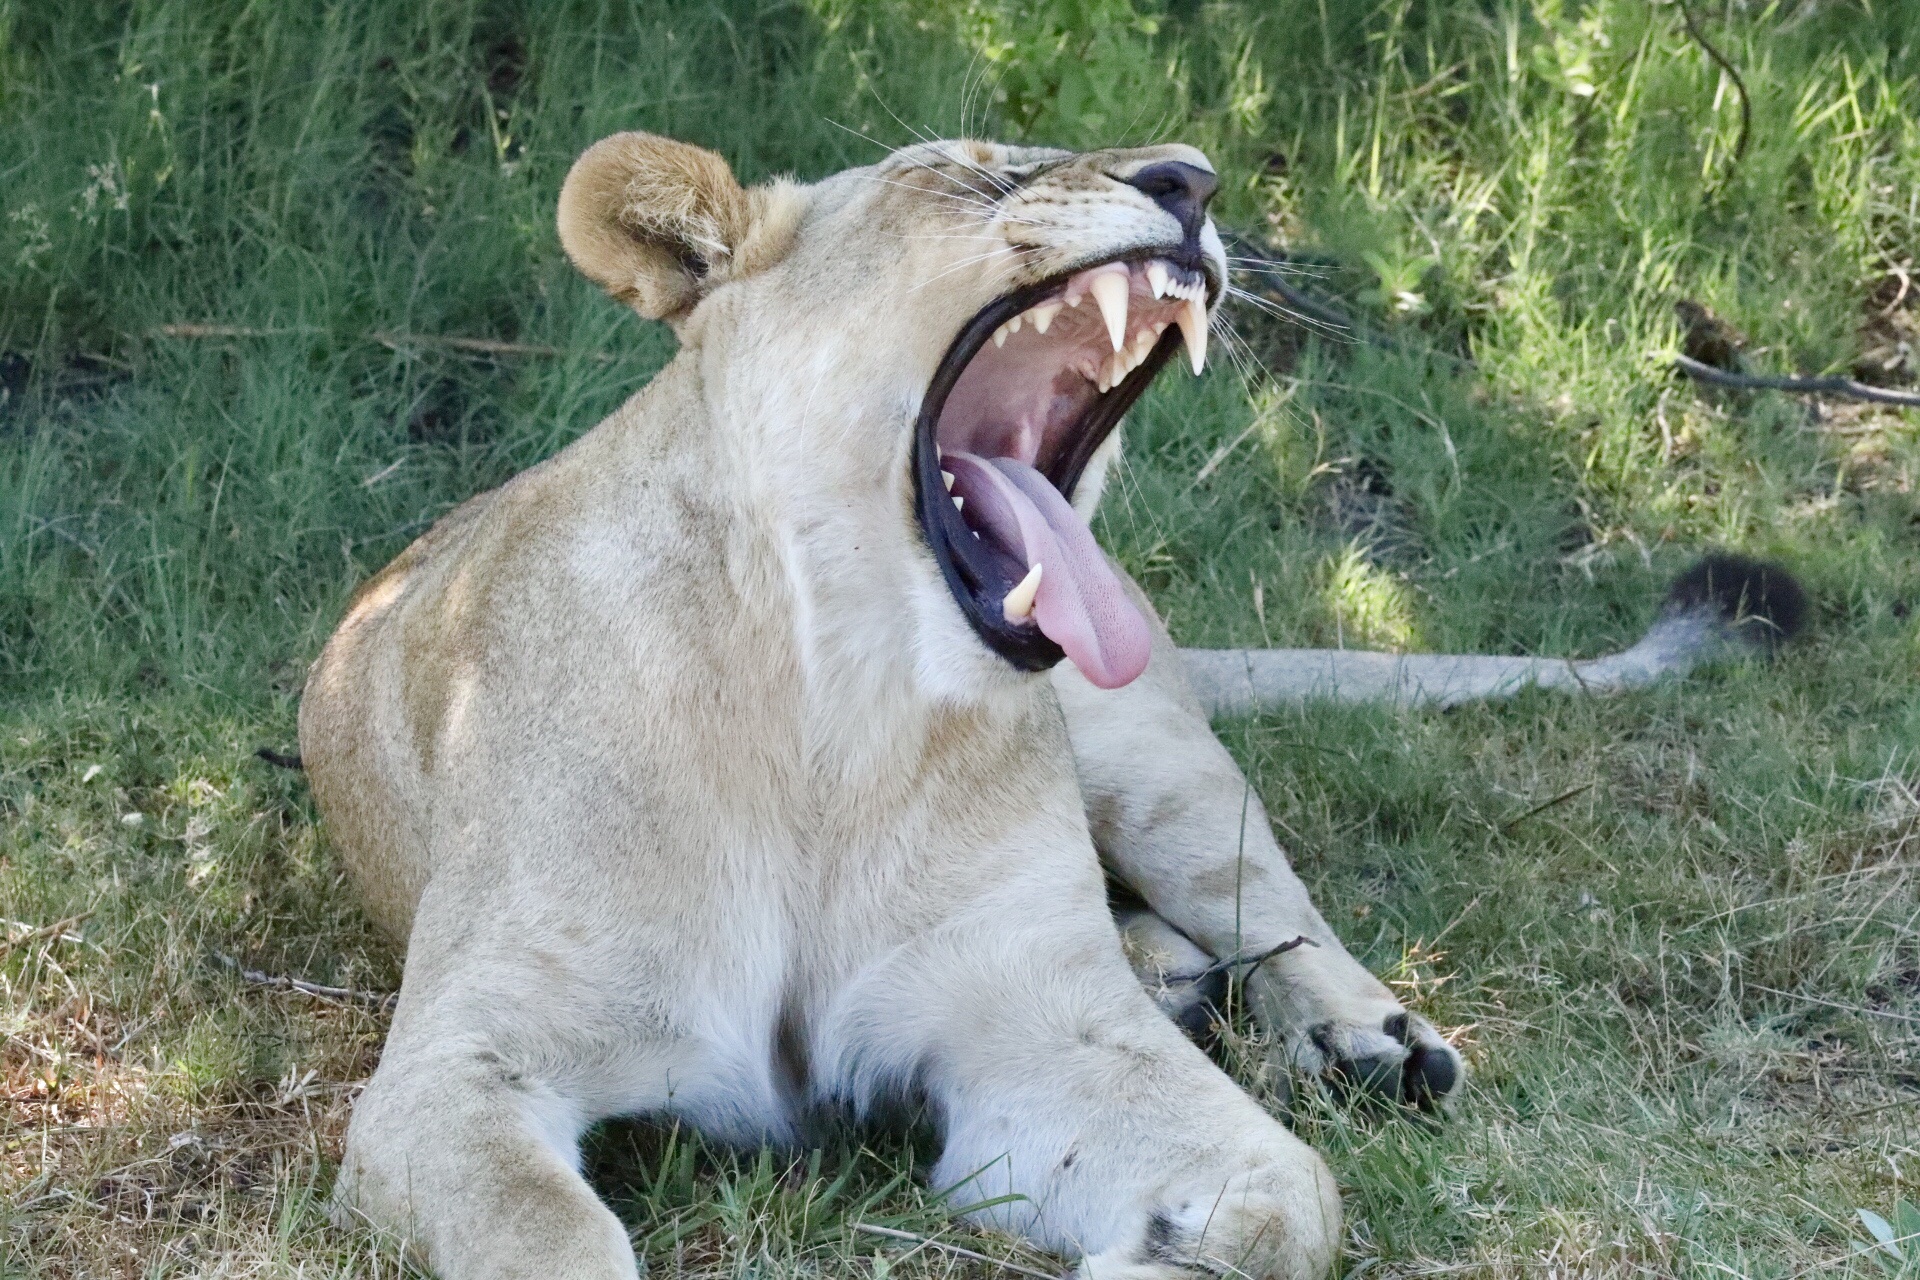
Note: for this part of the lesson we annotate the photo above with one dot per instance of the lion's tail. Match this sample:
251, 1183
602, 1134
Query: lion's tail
1724, 605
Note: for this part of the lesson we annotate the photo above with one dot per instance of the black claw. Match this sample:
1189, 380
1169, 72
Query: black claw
1375, 1073
1429, 1075
1420, 1078
1200, 1016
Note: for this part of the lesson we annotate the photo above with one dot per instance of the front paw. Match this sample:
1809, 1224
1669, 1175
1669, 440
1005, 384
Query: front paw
1399, 1058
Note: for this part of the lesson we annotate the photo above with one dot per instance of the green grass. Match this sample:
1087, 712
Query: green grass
1689, 991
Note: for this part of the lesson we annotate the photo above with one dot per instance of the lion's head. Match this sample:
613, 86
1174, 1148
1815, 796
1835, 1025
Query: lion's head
1011, 303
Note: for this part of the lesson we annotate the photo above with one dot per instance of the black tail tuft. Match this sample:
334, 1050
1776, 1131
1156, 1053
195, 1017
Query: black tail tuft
1759, 603
279, 761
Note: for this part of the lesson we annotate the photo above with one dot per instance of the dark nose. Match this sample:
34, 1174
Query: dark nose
1181, 189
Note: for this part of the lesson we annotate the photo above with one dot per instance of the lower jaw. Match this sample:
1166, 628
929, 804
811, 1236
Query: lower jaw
977, 578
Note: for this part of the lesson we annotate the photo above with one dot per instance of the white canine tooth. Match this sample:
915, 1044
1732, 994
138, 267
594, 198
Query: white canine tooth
1193, 327
959, 504
1019, 602
1157, 278
1042, 315
1000, 336
1110, 289
946, 478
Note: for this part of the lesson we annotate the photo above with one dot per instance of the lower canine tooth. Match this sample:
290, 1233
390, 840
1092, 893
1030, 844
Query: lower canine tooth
1019, 602
1193, 327
1042, 316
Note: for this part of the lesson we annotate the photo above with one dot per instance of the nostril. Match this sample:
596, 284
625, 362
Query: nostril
1181, 189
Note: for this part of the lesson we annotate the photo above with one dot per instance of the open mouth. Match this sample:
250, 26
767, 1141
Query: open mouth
1025, 396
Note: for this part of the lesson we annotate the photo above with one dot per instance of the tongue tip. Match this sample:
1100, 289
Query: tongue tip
1078, 602
1115, 660
1112, 677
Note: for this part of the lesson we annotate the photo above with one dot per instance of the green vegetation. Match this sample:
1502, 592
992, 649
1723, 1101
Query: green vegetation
1689, 992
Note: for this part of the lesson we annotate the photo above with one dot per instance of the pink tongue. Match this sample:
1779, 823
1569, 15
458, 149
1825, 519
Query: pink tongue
1081, 605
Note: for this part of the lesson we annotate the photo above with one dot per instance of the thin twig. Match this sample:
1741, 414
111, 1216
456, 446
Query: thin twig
187, 329
1835, 1004
384, 472
278, 982
1833, 386
1221, 454
1739, 87
1239, 959
480, 346
929, 1242
1545, 805
54, 930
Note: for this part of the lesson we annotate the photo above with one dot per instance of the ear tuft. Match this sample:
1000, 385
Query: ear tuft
659, 223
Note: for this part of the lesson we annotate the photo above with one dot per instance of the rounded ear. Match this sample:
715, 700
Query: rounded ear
659, 224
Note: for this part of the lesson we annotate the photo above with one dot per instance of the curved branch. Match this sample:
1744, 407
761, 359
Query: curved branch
1739, 87
1834, 386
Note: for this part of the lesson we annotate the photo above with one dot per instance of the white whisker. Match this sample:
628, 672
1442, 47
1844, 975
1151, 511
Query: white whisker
967, 262
949, 151
1239, 351
1269, 266
1273, 308
968, 201
865, 137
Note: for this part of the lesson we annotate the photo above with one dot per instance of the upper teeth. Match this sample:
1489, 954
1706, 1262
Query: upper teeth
1109, 290
1157, 278
1193, 327
1110, 287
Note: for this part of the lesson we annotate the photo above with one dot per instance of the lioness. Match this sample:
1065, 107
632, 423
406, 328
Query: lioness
725, 767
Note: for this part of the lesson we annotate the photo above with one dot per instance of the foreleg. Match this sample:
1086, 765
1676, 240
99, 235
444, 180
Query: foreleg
1178, 823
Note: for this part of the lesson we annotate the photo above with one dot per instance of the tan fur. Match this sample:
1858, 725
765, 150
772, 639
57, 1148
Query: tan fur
692, 793
659, 223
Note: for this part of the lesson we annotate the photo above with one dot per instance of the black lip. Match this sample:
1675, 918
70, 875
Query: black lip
979, 575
